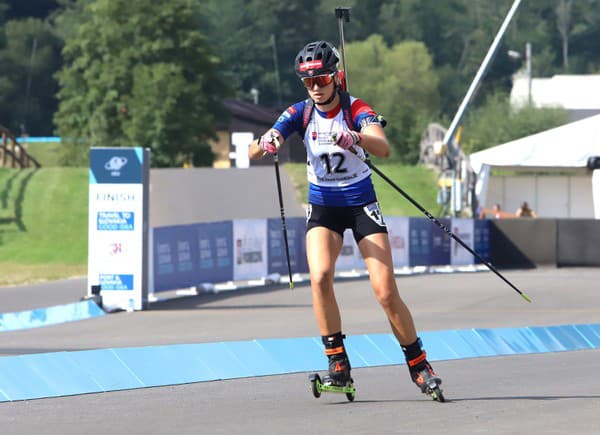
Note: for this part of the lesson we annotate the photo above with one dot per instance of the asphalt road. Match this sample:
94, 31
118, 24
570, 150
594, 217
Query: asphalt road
541, 393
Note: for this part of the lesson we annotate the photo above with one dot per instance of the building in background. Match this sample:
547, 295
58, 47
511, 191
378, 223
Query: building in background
579, 95
247, 117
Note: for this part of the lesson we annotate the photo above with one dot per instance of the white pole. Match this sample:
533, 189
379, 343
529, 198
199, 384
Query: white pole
528, 69
482, 69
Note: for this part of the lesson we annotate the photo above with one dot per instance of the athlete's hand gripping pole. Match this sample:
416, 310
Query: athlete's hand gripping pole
283, 226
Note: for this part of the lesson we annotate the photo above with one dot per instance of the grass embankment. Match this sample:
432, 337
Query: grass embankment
43, 224
43, 216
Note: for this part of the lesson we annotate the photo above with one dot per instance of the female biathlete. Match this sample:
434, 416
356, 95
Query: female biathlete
341, 196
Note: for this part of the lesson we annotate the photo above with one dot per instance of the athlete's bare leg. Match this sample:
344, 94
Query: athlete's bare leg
322, 249
376, 251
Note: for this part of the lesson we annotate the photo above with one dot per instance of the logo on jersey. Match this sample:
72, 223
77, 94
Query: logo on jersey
284, 116
314, 135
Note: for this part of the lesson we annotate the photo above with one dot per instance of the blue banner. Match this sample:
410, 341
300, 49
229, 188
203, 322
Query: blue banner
277, 260
440, 243
481, 239
115, 281
115, 221
428, 244
215, 248
175, 254
189, 255
419, 241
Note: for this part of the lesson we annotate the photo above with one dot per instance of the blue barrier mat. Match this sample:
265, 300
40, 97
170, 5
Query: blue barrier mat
68, 373
49, 316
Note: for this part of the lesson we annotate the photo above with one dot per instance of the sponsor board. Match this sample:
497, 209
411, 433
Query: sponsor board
117, 228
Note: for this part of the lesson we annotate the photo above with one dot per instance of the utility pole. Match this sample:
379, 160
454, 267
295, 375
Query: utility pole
528, 70
28, 86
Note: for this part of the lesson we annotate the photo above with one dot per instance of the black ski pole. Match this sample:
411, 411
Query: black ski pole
441, 225
285, 236
344, 13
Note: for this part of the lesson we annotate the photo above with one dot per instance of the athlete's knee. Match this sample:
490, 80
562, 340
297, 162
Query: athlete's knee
322, 279
388, 298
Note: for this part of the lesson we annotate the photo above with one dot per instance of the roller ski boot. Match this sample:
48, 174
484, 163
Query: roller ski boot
338, 379
422, 373
428, 382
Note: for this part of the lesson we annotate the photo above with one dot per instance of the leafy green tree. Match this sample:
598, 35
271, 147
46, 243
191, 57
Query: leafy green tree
496, 122
139, 73
399, 83
259, 46
29, 56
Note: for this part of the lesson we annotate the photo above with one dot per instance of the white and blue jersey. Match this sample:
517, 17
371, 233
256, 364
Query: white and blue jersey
336, 177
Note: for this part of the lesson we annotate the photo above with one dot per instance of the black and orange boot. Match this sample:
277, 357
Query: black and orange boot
421, 372
339, 364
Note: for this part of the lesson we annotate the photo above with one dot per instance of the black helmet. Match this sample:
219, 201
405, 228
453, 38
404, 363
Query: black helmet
315, 59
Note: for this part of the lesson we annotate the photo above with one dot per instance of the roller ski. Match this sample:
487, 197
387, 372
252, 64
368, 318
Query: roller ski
421, 372
338, 380
319, 386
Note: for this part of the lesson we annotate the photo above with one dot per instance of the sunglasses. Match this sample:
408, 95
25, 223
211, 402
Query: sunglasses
320, 81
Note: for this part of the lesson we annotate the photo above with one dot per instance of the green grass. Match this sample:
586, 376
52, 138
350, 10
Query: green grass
47, 153
417, 181
43, 223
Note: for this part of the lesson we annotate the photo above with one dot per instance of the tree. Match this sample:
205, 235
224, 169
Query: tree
399, 83
496, 122
246, 42
139, 73
29, 57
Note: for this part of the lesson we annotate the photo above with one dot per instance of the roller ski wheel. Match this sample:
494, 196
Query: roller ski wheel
429, 383
319, 386
436, 393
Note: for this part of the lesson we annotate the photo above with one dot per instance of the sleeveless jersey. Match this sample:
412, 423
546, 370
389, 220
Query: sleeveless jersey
336, 176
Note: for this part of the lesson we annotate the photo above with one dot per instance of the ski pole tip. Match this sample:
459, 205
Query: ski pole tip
291, 285
524, 296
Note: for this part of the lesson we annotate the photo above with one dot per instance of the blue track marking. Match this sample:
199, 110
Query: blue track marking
55, 374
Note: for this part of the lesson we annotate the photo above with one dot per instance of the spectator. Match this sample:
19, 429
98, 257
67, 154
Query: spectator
525, 211
497, 211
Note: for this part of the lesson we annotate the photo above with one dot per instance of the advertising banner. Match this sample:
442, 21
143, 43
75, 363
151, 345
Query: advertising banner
175, 252
463, 229
190, 255
481, 239
419, 242
215, 248
276, 253
118, 226
250, 249
398, 234
440, 243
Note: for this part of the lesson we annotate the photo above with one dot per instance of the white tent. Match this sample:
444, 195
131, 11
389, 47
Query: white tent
565, 148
